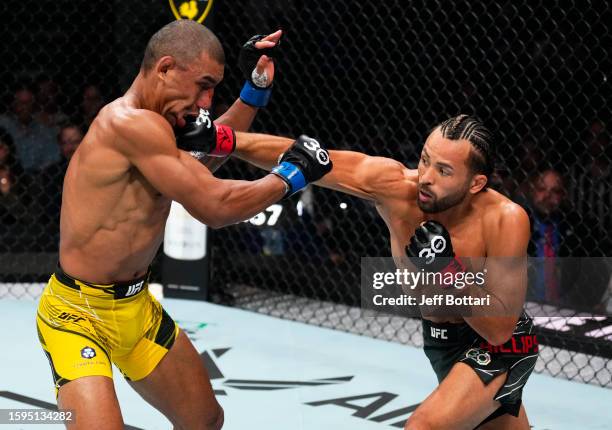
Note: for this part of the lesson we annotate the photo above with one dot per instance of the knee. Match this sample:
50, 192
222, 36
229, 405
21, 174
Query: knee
214, 420
417, 421
207, 420
219, 419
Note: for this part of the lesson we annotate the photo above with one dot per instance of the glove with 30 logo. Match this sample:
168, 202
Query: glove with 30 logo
304, 162
200, 137
431, 249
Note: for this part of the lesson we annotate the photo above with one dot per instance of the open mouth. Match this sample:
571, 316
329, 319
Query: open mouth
425, 196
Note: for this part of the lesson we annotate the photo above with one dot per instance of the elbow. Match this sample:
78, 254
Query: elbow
219, 220
214, 225
216, 222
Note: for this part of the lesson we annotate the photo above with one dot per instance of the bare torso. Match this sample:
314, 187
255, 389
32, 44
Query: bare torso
112, 219
468, 233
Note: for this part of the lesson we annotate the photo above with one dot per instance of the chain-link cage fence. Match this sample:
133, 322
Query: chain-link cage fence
373, 77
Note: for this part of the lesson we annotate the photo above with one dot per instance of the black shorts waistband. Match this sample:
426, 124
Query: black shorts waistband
119, 290
449, 334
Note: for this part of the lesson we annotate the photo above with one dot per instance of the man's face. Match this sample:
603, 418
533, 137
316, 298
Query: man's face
23, 105
444, 178
4, 152
547, 193
92, 100
47, 93
69, 140
190, 87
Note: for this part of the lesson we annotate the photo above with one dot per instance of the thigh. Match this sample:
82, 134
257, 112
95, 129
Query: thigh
94, 404
508, 422
461, 401
179, 387
72, 349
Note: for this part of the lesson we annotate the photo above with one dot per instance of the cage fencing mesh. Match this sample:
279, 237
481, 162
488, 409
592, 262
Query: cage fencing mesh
373, 77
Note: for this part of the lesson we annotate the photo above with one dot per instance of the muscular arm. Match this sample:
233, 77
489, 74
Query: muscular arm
371, 178
148, 142
506, 275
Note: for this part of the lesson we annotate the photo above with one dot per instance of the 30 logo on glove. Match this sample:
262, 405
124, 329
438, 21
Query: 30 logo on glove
201, 136
431, 249
304, 162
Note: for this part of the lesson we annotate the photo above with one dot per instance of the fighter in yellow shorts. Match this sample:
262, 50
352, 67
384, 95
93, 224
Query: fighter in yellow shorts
85, 327
130, 166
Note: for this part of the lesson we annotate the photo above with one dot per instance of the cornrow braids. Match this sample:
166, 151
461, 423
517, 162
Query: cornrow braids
470, 128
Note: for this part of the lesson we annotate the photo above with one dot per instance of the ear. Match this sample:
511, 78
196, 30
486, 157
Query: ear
478, 183
164, 65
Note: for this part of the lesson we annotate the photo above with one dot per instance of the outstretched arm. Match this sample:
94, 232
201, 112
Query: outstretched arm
371, 178
148, 143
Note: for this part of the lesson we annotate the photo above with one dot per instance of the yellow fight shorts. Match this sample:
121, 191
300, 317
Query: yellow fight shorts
84, 327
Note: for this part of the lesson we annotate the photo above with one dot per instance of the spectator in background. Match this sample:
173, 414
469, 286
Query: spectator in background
51, 180
49, 113
13, 211
91, 103
34, 142
591, 186
557, 233
7, 153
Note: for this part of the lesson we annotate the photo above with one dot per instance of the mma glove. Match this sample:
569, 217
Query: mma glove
256, 91
201, 136
304, 162
431, 249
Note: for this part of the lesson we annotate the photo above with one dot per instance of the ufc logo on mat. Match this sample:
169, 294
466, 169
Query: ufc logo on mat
438, 333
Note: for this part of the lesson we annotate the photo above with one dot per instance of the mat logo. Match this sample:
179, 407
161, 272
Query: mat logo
366, 406
191, 9
65, 316
88, 352
259, 384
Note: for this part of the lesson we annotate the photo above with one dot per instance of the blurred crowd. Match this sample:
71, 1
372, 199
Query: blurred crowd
38, 136
570, 205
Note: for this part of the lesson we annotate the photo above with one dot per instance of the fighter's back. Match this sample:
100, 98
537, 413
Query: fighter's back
112, 219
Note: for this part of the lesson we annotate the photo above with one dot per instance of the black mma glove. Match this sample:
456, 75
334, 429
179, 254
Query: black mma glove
256, 91
200, 136
431, 249
304, 162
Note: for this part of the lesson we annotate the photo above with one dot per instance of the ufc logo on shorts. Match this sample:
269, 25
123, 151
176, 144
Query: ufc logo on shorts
133, 289
438, 333
320, 153
204, 118
437, 245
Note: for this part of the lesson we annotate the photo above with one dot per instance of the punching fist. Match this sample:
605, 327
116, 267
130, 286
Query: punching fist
304, 162
256, 61
431, 249
200, 136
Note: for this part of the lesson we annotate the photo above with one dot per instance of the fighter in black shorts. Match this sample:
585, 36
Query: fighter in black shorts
482, 359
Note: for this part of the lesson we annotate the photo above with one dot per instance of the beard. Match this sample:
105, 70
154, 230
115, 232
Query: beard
436, 205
